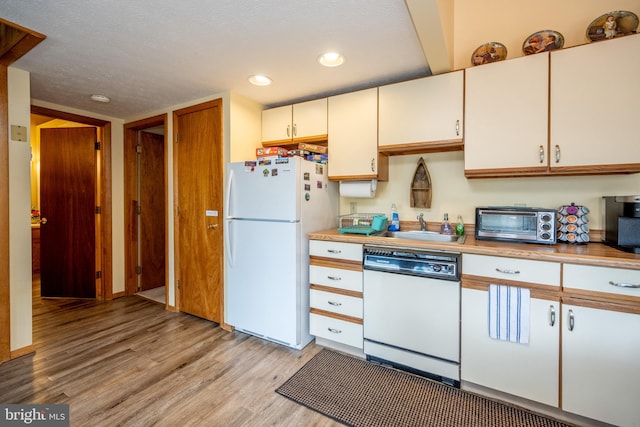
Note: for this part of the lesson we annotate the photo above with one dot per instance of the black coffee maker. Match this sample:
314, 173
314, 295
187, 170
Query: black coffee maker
622, 222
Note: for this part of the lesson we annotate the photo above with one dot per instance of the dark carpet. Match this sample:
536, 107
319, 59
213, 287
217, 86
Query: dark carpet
360, 393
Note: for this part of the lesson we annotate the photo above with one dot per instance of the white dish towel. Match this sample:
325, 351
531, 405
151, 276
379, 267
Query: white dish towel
509, 313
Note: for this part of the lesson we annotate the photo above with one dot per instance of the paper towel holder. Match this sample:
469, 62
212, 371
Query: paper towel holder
369, 185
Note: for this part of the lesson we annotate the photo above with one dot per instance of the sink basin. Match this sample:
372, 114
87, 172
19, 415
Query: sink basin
429, 236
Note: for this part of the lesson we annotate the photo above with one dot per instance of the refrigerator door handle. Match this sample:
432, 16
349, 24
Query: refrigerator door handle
229, 249
227, 201
227, 231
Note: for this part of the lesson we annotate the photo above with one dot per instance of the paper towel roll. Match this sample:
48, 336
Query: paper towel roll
361, 189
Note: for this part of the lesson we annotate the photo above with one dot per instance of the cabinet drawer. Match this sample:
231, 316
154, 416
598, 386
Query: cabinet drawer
337, 250
336, 330
336, 278
522, 270
601, 279
336, 303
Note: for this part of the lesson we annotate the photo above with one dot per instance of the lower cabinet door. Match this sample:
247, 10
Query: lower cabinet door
336, 330
526, 370
601, 364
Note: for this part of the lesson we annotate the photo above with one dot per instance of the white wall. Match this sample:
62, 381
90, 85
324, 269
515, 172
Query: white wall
454, 194
19, 211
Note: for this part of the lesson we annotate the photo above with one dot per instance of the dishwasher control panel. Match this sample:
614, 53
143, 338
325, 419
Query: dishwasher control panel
415, 262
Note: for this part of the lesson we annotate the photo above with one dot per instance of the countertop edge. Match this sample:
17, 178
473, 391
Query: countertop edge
593, 253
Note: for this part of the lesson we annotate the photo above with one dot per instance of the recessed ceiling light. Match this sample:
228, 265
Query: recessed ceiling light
260, 80
100, 98
331, 59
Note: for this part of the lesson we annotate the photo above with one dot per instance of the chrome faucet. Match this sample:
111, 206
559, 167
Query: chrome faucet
423, 225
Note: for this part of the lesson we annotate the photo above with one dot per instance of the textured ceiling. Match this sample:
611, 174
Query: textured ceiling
147, 55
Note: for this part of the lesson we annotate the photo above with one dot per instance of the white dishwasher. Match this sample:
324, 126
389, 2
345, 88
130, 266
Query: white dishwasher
412, 311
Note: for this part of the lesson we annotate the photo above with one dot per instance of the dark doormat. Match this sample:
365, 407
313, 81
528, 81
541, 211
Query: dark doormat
360, 393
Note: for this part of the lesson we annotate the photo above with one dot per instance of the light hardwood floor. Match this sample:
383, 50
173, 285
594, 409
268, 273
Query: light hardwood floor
129, 362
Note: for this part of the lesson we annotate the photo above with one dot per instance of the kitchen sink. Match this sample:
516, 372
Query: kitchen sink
429, 236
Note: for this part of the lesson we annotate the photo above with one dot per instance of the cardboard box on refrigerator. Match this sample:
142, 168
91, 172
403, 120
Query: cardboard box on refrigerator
271, 152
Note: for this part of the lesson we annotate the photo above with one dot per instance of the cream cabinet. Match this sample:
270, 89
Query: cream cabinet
601, 343
302, 122
506, 117
528, 370
568, 112
335, 281
595, 119
421, 115
353, 137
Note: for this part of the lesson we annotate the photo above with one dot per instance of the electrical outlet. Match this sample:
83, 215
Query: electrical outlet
353, 207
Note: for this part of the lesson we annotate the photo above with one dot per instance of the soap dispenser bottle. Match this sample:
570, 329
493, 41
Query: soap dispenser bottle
460, 226
395, 219
445, 227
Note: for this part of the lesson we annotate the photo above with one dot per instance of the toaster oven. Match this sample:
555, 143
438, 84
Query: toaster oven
516, 224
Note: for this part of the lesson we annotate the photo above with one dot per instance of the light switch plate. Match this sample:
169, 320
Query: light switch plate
19, 133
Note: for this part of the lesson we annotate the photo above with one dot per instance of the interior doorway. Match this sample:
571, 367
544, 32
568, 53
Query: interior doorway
146, 208
68, 167
100, 254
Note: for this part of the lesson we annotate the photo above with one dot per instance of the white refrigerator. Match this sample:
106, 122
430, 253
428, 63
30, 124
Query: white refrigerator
270, 207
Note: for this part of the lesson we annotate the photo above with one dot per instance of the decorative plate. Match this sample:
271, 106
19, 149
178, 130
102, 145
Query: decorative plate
613, 24
542, 41
489, 52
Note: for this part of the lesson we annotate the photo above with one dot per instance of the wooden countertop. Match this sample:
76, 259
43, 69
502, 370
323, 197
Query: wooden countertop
592, 253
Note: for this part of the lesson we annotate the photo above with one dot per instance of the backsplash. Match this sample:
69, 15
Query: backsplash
456, 195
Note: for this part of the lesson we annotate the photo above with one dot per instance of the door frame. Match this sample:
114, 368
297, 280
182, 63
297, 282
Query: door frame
130, 195
103, 244
27, 40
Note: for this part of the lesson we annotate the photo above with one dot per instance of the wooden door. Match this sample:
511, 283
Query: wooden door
199, 242
68, 202
152, 203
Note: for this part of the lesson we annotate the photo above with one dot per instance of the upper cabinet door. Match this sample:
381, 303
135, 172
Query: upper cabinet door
595, 118
353, 135
417, 112
276, 125
310, 120
506, 117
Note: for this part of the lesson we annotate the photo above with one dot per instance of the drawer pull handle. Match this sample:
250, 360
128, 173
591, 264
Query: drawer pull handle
541, 153
572, 321
334, 331
457, 127
334, 277
552, 315
507, 271
624, 285
334, 251
334, 303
